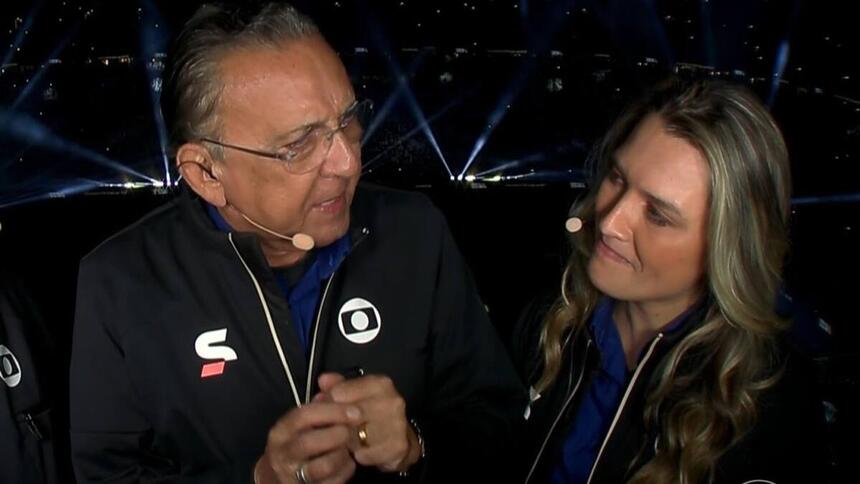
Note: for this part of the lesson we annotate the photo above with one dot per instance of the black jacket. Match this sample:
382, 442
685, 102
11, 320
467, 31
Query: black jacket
786, 444
27, 445
141, 409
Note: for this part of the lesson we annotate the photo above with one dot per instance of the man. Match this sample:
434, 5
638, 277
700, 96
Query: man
280, 322
28, 391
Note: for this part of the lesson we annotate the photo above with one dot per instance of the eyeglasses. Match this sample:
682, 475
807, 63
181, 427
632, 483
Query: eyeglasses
310, 149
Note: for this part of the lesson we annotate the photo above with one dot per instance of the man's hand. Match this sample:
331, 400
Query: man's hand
312, 440
390, 442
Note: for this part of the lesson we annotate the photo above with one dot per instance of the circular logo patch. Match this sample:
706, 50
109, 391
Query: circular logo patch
359, 321
10, 370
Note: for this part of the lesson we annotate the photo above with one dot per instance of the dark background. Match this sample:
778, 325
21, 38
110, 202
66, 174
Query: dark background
489, 107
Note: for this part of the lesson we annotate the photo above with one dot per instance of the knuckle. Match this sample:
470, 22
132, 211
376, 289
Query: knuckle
400, 447
398, 404
323, 468
341, 434
303, 446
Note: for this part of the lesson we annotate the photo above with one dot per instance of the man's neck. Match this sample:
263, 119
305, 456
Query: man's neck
279, 253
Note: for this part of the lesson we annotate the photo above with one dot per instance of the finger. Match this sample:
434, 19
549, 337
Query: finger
312, 443
344, 475
387, 435
335, 467
382, 450
312, 415
362, 388
328, 380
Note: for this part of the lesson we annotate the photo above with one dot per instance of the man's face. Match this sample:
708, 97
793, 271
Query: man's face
270, 99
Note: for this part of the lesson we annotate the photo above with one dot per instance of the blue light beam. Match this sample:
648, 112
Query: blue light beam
417, 129
549, 25
153, 40
37, 78
408, 95
778, 70
22, 32
32, 131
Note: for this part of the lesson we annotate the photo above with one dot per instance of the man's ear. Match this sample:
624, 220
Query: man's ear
199, 170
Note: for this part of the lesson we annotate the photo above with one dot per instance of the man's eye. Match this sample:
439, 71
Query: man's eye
347, 120
301, 144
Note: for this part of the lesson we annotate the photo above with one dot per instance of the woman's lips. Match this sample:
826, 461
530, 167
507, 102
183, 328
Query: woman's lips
607, 252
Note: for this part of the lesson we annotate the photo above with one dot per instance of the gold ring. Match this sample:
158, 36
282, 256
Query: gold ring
362, 435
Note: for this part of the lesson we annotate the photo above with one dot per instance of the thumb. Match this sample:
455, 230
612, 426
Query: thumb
327, 381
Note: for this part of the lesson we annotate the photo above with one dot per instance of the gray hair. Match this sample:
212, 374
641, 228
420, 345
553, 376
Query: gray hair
193, 84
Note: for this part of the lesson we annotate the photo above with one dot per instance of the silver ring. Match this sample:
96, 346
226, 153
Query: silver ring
301, 476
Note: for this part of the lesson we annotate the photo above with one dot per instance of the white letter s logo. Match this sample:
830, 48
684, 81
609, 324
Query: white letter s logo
203, 346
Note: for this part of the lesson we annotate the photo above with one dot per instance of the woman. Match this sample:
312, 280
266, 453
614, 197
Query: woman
662, 358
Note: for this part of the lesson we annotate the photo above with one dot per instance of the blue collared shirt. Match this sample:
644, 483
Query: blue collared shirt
303, 297
600, 400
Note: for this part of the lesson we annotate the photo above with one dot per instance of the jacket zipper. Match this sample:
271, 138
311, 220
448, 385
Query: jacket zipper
364, 233
314, 339
558, 417
623, 403
272, 330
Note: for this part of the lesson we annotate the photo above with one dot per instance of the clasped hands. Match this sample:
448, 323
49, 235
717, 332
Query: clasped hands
349, 422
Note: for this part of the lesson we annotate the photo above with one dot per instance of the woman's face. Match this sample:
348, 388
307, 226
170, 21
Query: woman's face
651, 220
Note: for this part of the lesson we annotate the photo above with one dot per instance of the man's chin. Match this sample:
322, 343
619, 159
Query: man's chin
329, 235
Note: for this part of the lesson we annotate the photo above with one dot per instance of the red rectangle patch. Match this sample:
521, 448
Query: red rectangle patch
212, 369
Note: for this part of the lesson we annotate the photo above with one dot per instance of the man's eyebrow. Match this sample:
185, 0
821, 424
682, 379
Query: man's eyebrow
307, 127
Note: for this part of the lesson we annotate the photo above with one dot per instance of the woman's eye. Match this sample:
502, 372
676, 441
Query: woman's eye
657, 218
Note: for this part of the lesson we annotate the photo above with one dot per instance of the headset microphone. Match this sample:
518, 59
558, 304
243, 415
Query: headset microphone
573, 224
299, 240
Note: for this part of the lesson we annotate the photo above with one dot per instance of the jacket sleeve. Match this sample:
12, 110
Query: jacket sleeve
475, 411
111, 436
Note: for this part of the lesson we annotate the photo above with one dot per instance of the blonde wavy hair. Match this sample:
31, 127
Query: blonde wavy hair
701, 400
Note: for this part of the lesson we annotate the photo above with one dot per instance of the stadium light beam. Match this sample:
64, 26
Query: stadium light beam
380, 116
22, 32
826, 199
153, 40
31, 131
37, 78
779, 64
377, 35
546, 27
66, 190
414, 131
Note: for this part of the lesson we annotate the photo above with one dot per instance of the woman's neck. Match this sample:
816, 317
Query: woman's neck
639, 322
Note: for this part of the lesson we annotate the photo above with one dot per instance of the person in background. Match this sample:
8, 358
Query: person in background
32, 444
662, 359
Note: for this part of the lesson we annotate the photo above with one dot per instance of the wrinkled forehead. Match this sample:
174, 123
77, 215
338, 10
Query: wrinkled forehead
303, 79
659, 163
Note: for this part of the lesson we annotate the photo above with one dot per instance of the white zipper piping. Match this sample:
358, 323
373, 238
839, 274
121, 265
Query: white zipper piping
557, 418
314, 340
272, 330
623, 402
